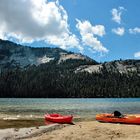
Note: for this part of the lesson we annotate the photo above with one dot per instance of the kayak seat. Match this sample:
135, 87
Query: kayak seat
117, 114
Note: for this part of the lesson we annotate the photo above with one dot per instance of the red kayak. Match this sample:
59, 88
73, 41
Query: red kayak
127, 119
57, 118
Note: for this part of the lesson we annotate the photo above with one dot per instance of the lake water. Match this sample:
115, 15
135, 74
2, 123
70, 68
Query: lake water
78, 107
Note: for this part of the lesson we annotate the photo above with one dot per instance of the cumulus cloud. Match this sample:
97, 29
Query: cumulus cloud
116, 14
88, 34
34, 20
137, 55
134, 30
119, 31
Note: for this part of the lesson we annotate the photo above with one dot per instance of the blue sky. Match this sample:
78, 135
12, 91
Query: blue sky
104, 30
99, 12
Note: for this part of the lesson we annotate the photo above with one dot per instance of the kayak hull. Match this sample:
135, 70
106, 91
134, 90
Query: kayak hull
57, 118
127, 119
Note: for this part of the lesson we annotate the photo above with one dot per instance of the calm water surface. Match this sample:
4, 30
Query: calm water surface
79, 107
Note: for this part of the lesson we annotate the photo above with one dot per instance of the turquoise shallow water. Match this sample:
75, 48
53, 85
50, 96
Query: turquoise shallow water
78, 107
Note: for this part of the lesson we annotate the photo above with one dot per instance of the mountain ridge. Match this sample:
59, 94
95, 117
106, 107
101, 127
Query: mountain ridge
27, 72
16, 55
23, 56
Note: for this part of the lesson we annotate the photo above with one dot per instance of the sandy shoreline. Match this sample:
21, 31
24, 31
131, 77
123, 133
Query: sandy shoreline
84, 130
23, 133
93, 130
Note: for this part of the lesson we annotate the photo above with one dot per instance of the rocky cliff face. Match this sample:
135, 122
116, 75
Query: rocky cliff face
13, 55
121, 66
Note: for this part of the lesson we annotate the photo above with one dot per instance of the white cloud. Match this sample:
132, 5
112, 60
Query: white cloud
86, 27
134, 30
119, 31
30, 20
88, 33
116, 14
65, 41
137, 55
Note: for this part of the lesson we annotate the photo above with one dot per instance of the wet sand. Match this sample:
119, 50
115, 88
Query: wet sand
14, 122
21, 123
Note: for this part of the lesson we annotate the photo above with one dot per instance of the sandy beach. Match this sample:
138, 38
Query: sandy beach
84, 130
93, 130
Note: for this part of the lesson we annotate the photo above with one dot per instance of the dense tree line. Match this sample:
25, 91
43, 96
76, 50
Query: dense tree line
61, 81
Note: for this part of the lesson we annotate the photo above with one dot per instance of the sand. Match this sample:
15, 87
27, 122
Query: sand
92, 130
85, 130
23, 133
